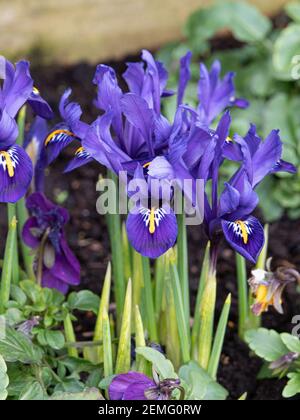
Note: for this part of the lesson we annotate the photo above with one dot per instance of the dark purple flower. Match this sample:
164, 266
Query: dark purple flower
137, 386
56, 265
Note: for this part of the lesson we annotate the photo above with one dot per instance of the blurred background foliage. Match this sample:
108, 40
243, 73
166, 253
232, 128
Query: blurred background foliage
266, 59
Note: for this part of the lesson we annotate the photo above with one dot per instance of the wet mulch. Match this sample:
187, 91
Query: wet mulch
88, 237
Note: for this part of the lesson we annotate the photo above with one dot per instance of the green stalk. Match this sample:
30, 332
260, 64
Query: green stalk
115, 233
159, 284
183, 331
107, 347
11, 210
21, 125
149, 305
242, 294
183, 264
8, 262
22, 214
28, 258
103, 309
207, 312
124, 356
70, 336
219, 339
202, 282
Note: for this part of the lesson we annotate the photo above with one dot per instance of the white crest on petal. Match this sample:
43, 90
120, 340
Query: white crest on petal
159, 214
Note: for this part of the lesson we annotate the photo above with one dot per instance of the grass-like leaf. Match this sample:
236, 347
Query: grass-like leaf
123, 355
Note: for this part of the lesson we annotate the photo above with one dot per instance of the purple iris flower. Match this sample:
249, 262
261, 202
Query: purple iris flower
231, 212
18, 88
137, 386
56, 265
70, 129
15, 165
214, 94
141, 135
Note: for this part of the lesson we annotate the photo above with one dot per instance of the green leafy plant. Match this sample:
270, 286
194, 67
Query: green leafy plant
281, 352
267, 66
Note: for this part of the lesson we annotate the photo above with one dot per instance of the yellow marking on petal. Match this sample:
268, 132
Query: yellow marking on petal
261, 298
35, 90
146, 165
152, 221
9, 164
55, 133
242, 225
79, 150
229, 139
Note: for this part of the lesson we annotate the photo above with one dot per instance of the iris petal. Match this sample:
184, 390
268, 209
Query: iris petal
82, 157
152, 231
245, 236
56, 141
15, 174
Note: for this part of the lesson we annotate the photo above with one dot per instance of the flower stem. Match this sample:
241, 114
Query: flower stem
151, 324
11, 210
115, 234
242, 294
8, 265
41, 251
22, 213
28, 258
183, 266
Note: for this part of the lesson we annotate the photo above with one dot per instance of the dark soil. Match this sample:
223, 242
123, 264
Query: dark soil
88, 237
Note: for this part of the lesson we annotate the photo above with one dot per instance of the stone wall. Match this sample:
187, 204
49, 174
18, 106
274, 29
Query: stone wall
70, 30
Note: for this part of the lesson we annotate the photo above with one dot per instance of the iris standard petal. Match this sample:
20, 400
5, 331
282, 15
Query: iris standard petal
69, 111
109, 95
152, 231
184, 76
39, 106
229, 200
8, 130
245, 236
137, 111
266, 157
15, 174
17, 86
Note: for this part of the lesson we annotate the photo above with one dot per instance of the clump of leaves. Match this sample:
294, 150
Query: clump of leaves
281, 352
35, 358
267, 66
